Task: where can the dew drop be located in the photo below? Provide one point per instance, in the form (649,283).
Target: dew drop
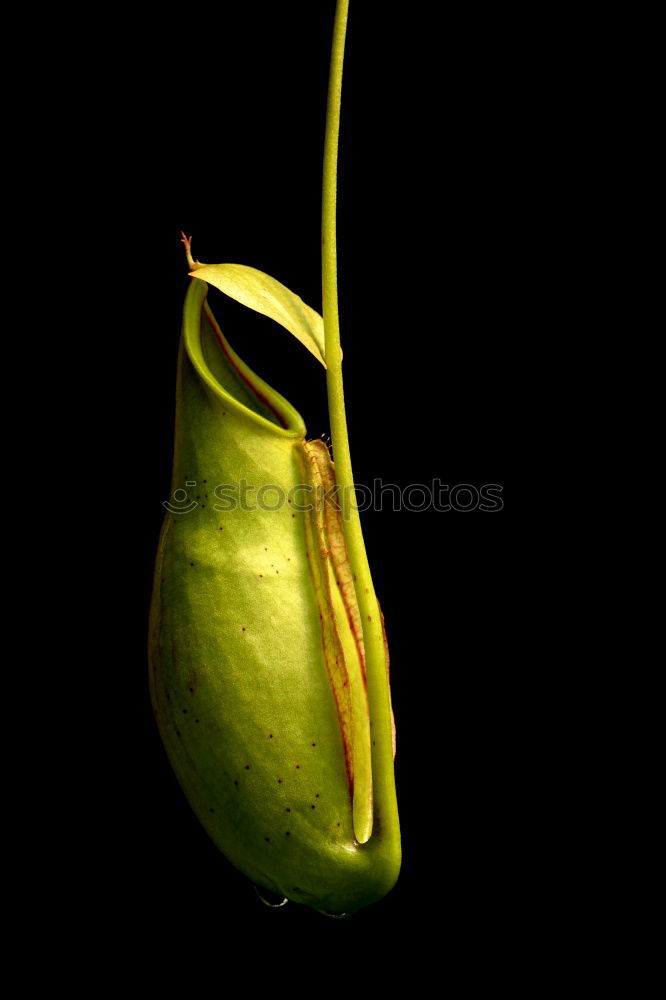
(275,903)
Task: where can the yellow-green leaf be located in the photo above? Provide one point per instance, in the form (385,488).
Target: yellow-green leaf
(265,295)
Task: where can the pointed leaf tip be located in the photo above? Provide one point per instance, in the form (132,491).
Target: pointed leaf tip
(187,243)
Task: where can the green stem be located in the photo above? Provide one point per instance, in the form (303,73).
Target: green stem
(373,638)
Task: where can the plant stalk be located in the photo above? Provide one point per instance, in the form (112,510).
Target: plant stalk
(385,806)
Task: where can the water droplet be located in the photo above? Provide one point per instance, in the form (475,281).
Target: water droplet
(270,899)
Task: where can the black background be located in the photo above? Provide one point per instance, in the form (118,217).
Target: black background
(213,123)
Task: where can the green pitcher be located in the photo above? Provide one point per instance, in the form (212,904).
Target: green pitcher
(268,658)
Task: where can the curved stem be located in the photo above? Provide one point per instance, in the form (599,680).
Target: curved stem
(373,636)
